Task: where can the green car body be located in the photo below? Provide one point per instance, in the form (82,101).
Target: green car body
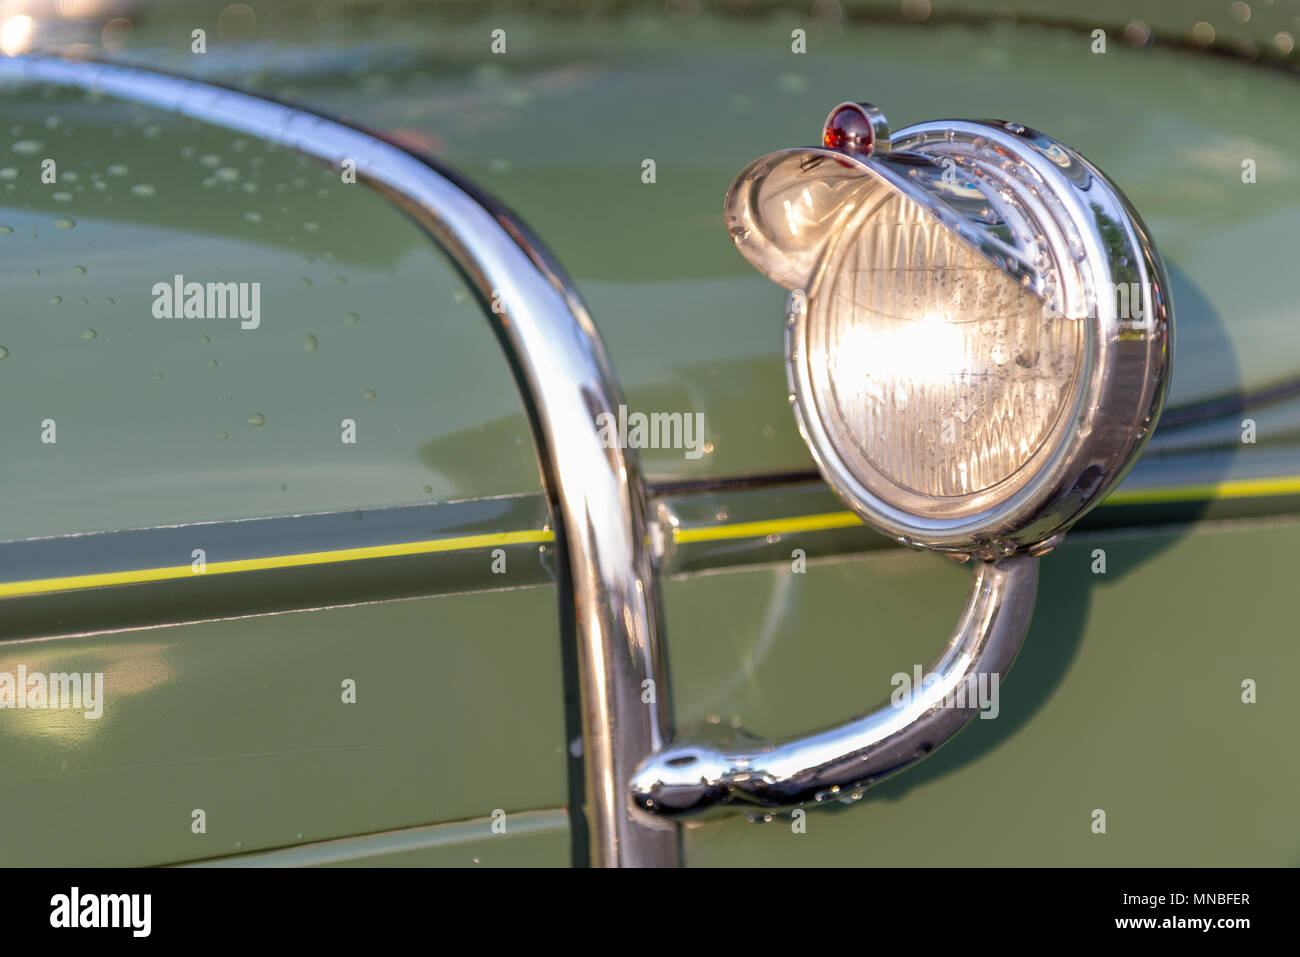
(353,652)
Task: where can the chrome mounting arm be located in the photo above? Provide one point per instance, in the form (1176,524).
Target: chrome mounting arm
(718,767)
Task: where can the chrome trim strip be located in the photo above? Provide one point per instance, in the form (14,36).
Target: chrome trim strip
(716,767)
(566,380)
(306,539)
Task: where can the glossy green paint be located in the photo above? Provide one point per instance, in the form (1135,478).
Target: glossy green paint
(1127,697)
(179,420)
(461,698)
(458,712)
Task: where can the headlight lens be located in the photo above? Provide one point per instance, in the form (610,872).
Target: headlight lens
(931,364)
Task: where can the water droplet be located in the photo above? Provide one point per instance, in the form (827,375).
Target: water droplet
(212,363)
(118,169)
(4,353)
(142,189)
(227,174)
(309,342)
(65,222)
(205,338)
(89,334)
(78,270)
(55,300)
(253,217)
(304,281)
(284,488)
(6,230)
(223,435)
(792,83)
(460,295)
(27,147)
(428,490)
(311,227)
(8,173)
(367,393)
(351,318)
(63,197)
(340,281)
(109,302)
(157,377)
(210,160)
(256,419)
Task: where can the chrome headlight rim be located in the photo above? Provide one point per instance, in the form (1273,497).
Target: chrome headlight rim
(1094,239)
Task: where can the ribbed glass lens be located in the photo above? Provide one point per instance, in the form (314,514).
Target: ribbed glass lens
(941,369)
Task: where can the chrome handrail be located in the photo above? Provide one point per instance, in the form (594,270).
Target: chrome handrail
(566,381)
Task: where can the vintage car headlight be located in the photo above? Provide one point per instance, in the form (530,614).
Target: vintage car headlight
(978,328)
(977,346)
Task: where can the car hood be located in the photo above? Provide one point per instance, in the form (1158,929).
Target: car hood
(561,126)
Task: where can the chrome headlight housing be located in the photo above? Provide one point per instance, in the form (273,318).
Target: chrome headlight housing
(979,326)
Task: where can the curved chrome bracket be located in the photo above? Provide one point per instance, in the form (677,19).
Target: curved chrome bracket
(565,378)
(702,773)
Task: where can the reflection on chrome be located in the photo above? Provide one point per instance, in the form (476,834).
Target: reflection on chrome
(16,34)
